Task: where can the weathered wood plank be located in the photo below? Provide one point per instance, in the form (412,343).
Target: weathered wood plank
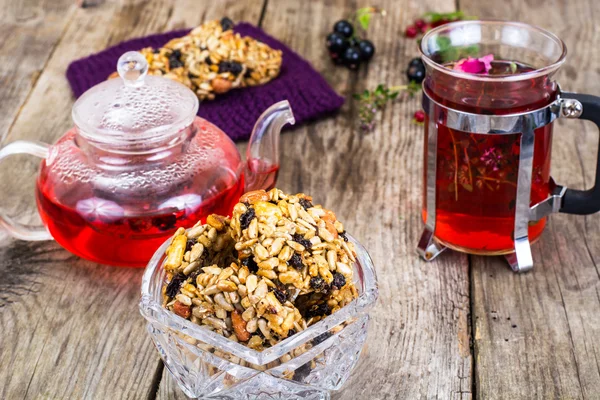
(536,335)
(30,31)
(418,345)
(71,328)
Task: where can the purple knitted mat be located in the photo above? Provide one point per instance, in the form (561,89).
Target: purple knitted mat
(234,112)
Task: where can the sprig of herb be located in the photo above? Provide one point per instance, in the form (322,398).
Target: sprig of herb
(362,17)
(451,16)
(370,102)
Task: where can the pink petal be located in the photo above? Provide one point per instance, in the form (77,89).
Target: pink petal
(487,62)
(458,65)
(475,65)
(471,66)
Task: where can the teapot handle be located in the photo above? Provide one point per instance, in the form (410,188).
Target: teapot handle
(582,202)
(17,230)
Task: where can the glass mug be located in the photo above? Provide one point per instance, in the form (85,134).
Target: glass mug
(488,139)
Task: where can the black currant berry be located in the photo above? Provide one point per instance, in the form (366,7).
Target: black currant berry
(336,43)
(351,57)
(226,24)
(344,27)
(416,61)
(416,70)
(367,49)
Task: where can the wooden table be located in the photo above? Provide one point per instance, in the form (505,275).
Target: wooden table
(460,327)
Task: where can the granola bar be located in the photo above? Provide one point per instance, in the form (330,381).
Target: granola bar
(279,265)
(212,60)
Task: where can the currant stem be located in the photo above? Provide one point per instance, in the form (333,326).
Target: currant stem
(398,88)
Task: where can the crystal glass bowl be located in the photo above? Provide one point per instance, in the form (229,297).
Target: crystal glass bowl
(306,365)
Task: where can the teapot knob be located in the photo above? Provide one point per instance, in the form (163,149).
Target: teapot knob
(132,67)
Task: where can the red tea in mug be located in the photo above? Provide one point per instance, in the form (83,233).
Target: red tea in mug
(476,176)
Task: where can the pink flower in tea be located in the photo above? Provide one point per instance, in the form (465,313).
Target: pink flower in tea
(481,65)
(492,158)
(96,209)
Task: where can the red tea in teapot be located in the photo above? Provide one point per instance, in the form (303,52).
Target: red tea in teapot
(476,176)
(127,229)
(89,229)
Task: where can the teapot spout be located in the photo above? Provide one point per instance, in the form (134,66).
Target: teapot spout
(262,156)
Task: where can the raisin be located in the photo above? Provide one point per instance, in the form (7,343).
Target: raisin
(296,261)
(321,338)
(302,372)
(175,59)
(291,332)
(175,284)
(226,24)
(319,310)
(156,51)
(248,72)
(281,295)
(343,235)
(338,280)
(251,264)
(247,217)
(230,66)
(317,283)
(208,61)
(300,239)
(194,275)
(305,203)
(189,244)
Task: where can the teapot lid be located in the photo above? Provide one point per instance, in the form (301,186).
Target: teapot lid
(136,109)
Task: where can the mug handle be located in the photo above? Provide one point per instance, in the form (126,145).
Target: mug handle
(587,107)
(20,231)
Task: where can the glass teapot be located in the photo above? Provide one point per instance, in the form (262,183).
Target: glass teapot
(138,164)
(488,139)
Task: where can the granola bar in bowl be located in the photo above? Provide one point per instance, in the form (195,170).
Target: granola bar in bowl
(272,301)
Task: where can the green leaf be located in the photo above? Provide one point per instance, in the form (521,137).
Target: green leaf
(513,67)
(451,16)
(432,16)
(357,96)
(364,20)
(393,95)
(413,88)
(443,43)
(472,50)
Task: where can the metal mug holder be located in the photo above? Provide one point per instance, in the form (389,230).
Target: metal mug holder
(526,123)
